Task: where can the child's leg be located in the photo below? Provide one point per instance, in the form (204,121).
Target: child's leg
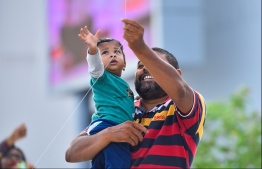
(98,161)
(117,155)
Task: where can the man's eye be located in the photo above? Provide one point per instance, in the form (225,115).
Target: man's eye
(140,66)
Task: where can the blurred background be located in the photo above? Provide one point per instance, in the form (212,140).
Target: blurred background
(44,80)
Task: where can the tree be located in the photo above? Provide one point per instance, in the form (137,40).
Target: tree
(232,135)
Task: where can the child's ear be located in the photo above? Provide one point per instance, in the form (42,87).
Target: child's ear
(124,67)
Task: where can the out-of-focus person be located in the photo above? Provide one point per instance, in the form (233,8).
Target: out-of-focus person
(10,155)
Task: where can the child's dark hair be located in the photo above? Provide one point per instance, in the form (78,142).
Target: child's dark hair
(102,40)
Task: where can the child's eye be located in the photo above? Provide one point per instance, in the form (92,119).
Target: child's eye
(104,52)
(117,52)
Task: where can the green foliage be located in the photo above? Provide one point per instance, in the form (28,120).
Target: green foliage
(232,135)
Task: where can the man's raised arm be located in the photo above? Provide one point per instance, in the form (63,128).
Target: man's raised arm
(164,74)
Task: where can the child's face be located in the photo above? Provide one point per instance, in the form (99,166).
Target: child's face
(112,57)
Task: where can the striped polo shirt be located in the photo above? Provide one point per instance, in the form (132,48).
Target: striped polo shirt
(172,138)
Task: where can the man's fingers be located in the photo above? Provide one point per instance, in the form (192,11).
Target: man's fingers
(140,127)
(136,136)
(133,32)
(133,141)
(137,131)
(130,28)
(129,132)
(127,37)
(139,135)
(131,22)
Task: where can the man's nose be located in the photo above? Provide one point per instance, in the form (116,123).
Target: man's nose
(144,69)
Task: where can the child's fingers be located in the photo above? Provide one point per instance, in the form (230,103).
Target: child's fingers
(97,35)
(82,31)
(81,37)
(86,31)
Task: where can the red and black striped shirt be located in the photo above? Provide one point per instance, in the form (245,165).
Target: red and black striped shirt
(172,139)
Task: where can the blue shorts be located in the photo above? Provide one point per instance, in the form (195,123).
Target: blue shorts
(115,155)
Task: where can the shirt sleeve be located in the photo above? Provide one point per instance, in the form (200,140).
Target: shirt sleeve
(193,123)
(95,65)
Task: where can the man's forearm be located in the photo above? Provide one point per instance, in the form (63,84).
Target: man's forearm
(166,75)
(86,147)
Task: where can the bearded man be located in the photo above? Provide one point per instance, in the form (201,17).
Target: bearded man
(169,116)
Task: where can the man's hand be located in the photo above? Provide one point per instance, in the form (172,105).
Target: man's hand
(133,34)
(129,132)
(90,39)
(86,147)
(17,134)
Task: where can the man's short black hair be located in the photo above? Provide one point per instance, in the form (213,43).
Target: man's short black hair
(170,58)
(102,40)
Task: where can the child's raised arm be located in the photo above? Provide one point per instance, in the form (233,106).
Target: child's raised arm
(90,39)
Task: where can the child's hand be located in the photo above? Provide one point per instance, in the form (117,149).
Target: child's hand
(90,39)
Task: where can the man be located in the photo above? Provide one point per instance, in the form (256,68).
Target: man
(169,117)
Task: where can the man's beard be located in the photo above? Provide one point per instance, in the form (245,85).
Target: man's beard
(149,90)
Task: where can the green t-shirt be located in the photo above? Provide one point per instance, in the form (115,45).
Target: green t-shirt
(114,100)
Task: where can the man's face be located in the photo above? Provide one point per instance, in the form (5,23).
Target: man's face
(145,85)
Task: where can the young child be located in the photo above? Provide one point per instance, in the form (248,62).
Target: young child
(114,100)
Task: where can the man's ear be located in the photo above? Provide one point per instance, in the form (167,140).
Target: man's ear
(179,72)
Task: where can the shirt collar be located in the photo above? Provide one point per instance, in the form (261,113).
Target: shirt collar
(138,102)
